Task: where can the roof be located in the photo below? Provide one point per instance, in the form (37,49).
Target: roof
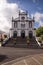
(22,13)
(18,19)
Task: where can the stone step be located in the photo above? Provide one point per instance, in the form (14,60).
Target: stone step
(21,43)
(26,46)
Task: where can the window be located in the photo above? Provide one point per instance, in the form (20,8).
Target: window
(30,24)
(22,18)
(15,24)
(23,25)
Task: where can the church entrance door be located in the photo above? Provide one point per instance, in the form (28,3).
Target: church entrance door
(15,34)
(30,34)
(23,34)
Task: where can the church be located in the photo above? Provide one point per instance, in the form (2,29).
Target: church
(23,26)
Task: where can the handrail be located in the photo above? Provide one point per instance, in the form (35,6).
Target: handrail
(37,41)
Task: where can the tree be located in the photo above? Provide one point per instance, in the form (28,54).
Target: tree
(39,31)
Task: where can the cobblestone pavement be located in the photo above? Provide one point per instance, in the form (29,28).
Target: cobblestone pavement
(29,60)
(10,54)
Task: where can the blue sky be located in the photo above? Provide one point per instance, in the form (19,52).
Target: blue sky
(9,8)
(32,6)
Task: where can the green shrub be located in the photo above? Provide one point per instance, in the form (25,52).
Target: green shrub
(27,41)
(27,38)
(39,31)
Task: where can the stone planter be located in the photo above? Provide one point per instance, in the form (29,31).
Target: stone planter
(28,42)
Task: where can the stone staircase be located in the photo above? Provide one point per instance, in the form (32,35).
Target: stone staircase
(9,43)
(33,43)
(21,43)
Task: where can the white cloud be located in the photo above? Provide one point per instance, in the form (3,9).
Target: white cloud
(39,8)
(34,1)
(38,18)
(7,10)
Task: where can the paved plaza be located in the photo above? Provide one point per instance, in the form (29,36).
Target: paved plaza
(16,56)
(28,60)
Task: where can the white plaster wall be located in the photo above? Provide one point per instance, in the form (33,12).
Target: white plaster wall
(34,34)
(26,25)
(26,32)
(13,25)
(30,29)
(33,25)
(19,33)
(19,25)
(11,33)
(15,29)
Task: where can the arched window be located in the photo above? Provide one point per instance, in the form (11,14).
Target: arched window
(30,24)
(15,24)
(22,18)
(22,25)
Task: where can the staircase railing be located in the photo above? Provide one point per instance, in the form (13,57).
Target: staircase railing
(37,41)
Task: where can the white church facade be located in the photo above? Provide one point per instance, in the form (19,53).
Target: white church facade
(22,26)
